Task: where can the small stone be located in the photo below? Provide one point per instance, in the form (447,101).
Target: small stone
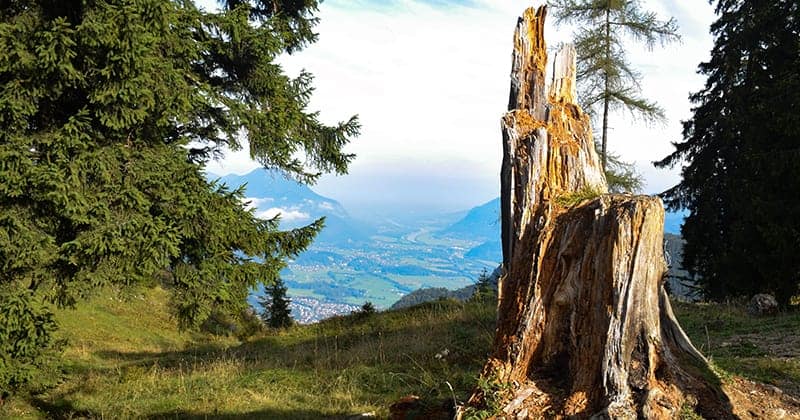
(762,304)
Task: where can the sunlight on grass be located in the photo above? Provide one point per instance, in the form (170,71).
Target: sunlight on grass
(131,361)
(764,349)
(126,358)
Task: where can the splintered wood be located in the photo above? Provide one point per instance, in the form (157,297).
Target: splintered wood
(584,325)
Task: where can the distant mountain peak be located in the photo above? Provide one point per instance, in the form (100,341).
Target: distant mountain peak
(481,223)
(271,194)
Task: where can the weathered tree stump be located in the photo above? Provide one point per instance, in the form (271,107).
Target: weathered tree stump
(584,326)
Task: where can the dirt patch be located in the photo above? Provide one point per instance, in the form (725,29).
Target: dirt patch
(752,400)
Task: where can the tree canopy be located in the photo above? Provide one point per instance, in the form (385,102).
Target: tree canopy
(740,154)
(605,77)
(109,111)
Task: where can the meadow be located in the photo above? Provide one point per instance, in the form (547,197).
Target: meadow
(126,358)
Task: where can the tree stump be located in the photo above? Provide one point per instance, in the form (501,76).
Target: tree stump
(584,326)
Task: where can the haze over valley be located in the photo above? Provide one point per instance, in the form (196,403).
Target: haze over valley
(379,260)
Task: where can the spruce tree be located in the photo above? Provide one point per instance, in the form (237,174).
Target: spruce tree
(605,78)
(108,112)
(483,287)
(275,311)
(740,153)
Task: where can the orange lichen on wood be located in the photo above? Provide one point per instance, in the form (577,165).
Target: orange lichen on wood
(523,121)
(529,63)
(535,37)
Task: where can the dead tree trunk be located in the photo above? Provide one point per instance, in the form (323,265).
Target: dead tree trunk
(584,325)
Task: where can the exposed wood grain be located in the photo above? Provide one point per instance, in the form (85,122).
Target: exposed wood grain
(584,326)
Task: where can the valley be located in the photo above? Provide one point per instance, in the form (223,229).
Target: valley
(353,261)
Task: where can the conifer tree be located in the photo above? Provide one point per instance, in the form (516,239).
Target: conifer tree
(275,310)
(740,153)
(483,288)
(368,308)
(621,176)
(605,78)
(108,112)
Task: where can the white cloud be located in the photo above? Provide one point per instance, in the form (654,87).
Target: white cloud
(256,203)
(286,215)
(430,84)
(238,162)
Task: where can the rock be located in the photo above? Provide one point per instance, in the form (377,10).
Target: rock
(762,304)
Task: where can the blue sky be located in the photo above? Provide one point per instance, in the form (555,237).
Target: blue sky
(429,80)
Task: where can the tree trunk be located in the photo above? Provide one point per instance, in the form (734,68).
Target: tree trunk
(606,92)
(584,325)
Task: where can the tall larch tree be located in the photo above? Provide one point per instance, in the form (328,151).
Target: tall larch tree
(605,77)
(109,110)
(741,155)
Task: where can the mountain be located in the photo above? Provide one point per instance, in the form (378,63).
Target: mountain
(481,224)
(430,294)
(488,251)
(679,283)
(673,221)
(272,194)
(351,262)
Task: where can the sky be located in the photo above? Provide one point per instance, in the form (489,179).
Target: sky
(429,81)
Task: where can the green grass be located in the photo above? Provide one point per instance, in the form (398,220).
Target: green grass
(576,197)
(762,349)
(126,359)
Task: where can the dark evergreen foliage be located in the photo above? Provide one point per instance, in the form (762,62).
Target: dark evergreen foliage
(741,155)
(605,78)
(367,308)
(108,111)
(483,287)
(275,311)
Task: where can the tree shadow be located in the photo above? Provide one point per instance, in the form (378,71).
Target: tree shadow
(61,409)
(258,414)
(365,344)
(330,345)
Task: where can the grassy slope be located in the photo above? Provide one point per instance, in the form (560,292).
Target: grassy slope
(126,359)
(762,349)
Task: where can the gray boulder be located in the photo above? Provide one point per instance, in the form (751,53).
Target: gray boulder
(762,304)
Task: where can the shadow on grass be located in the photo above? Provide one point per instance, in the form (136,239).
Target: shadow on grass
(258,414)
(760,349)
(338,343)
(319,355)
(61,409)
(65,410)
